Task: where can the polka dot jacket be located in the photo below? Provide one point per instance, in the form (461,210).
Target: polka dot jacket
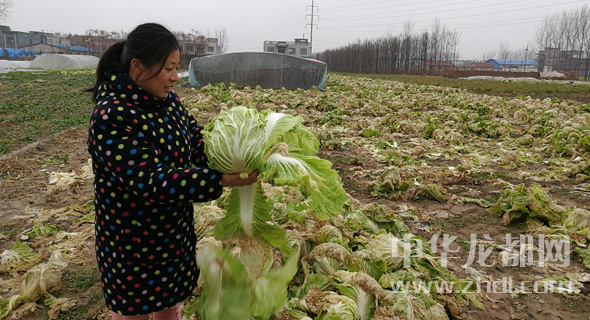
(149,165)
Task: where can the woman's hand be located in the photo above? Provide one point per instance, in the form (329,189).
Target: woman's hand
(234,179)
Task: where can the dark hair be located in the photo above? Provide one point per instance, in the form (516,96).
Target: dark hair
(151,43)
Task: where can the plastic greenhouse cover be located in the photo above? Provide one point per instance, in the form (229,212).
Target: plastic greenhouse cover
(267,70)
(6,66)
(64,61)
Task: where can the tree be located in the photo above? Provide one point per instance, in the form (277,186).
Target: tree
(5,6)
(491,54)
(504,50)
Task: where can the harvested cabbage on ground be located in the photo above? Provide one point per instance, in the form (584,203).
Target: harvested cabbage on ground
(474,146)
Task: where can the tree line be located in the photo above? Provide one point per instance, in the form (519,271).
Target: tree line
(410,52)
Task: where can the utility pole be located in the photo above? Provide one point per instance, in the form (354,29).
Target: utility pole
(526,55)
(312,15)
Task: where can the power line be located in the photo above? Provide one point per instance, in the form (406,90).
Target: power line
(477,24)
(460,27)
(273,25)
(455,10)
(413,4)
(371,3)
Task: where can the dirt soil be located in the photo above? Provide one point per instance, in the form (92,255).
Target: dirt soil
(25,196)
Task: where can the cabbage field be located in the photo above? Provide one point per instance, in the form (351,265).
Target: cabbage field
(454,199)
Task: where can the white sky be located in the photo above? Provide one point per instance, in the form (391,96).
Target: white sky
(483,24)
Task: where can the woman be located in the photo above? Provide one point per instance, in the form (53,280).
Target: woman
(149,165)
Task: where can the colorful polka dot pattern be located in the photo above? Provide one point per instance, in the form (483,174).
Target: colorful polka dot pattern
(148,160)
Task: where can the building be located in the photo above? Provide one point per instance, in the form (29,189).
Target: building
(438,67)
(40,48)
(299,47)
(554,59)
(19,39)
(482,66)
(95,43)
(16,39)
(462,64)
(514,65)
(212,46)
(194,47)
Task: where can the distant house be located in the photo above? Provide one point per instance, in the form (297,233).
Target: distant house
(462,64)
(24,45)
(16,39)
(482,66)
(59,48)
(438,66)
(514,65)
(299,47)
(555,59)
(93,42)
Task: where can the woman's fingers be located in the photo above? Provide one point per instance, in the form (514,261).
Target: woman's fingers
(238,180)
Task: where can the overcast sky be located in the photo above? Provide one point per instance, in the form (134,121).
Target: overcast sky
(483,24)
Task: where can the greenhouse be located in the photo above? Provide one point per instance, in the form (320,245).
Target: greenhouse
(267,70)
(64,61)
(7,66)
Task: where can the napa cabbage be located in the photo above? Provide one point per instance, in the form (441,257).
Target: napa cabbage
(243,140)
(278,145)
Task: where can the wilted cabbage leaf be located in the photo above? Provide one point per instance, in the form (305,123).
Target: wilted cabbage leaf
(577,223)
(42,230)
(432,191)
(18,257)
(390,249)
(523,203)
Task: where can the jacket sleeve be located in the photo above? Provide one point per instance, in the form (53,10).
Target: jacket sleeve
(118,144)
(198,157)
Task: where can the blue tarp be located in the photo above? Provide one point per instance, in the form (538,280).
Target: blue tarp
(76,48)
(14,53)
(500,62)
(1,52)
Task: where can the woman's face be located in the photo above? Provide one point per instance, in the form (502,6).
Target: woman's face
(161,84)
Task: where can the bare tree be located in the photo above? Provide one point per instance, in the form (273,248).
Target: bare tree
(504,51)
(491,54)
(407,52)
(5,6)
(454,38)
